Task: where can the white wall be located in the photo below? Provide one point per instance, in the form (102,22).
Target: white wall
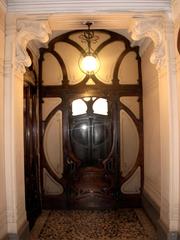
(3,227)
(152,168)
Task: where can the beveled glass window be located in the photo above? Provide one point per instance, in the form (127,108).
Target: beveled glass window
(100,106)
(78,107)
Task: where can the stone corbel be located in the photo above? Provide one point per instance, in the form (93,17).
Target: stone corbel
(28,30)
(153,28)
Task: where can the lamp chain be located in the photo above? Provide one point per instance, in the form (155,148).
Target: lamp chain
(88,35)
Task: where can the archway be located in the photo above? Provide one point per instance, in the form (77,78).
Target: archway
(118,82)
(169,125)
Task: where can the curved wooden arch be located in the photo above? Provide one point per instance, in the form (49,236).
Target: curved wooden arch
(121,58)
(65,38)
(137,123)
(112,92)
(51,114)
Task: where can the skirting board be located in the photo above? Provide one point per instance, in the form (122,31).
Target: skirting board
(153,212)
(23,233)
(151,208)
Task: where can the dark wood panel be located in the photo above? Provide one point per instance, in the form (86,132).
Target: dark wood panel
(91,186)
(31,158)
(31,145)
(61,91)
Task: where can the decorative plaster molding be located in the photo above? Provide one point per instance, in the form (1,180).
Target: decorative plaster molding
(34,48)
(28,30)
(51,6)
(153,28)
(144,44)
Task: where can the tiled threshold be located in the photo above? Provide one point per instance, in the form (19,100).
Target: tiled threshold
(121,224)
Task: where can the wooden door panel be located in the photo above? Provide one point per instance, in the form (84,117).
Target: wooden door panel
(31,164)
(92,143)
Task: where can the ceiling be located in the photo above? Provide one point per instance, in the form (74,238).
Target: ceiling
(88,6)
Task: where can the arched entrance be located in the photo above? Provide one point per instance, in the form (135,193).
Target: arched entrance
(91,158)
(13,116)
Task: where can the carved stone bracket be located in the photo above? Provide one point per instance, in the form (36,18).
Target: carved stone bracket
(153,28)
(28,30)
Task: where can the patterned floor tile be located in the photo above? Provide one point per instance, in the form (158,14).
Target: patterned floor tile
(121,224)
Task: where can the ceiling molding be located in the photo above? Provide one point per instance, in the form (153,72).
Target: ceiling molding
(55,6)
(117,22)
(101,21)
(73,21)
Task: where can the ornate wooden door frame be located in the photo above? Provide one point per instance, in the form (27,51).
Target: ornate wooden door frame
(68,92)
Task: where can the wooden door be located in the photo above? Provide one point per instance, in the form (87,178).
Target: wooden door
(32,193)
(79,150)
(91,140)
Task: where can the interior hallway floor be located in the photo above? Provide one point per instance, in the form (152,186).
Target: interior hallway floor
(121,224)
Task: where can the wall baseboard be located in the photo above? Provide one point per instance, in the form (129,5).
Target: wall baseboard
(151,208)
(153,212)
(23,233)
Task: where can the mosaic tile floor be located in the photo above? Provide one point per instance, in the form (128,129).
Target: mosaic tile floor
(121,224)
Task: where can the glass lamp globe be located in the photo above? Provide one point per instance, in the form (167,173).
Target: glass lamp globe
(89,64)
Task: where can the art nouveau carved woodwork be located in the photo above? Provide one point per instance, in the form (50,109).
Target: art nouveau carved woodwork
(31,151)
(91,126)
